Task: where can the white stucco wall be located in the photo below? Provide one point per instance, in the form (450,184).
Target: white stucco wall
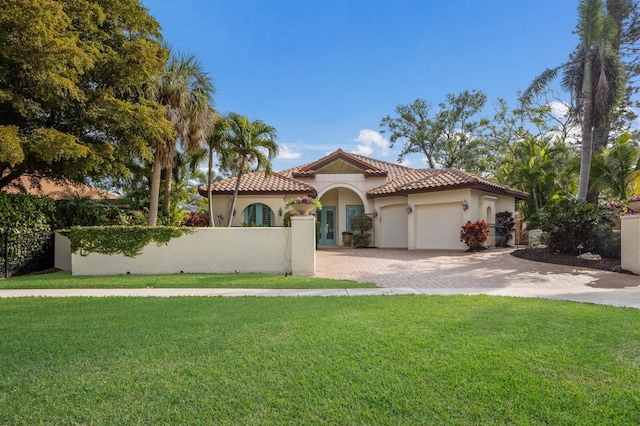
(62,252)
(214,250)
(630,236)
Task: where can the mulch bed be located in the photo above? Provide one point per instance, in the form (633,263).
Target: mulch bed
(549,256)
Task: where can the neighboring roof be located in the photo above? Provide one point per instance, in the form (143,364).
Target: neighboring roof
(431,180)
(58,190)
(400,180)
(259,183)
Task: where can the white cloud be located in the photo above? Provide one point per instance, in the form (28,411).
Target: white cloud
(287,153)
(369,141)
(559,109)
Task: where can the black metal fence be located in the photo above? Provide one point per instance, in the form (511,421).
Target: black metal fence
(25,251)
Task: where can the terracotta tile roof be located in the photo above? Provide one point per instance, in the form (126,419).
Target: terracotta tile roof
(401,180)
(369,166)
(428,180)
(259,183)
(58,190)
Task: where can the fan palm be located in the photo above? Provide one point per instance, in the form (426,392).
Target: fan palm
(185,90)
(250,144)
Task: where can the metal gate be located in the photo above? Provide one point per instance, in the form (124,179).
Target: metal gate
(25,251)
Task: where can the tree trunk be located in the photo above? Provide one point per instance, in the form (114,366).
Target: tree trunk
(166,201)
(600,140)
(209,179)
(233,199)
(587,133)
(155,188)
(11,176)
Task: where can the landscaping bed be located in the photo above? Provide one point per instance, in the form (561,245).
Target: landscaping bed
(549,256)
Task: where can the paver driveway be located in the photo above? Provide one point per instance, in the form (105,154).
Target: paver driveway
(492,271)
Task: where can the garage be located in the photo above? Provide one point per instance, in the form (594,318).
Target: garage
(438,226)
(394,226)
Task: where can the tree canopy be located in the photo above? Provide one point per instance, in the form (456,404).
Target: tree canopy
(72,80)
(448,139)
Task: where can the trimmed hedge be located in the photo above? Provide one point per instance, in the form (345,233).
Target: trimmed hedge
(26,212)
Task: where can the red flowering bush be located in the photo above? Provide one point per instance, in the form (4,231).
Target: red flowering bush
(474,234)
(195,219)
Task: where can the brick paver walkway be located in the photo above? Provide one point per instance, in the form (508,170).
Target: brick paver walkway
(433,269)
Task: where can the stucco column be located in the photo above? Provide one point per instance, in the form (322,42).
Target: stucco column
(303,245)
(630,236)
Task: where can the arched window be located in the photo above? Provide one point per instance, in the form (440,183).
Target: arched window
(259,214)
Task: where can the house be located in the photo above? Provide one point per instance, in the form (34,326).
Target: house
(40,186)
(411,208)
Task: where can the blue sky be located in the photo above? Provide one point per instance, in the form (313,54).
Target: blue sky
(324,73)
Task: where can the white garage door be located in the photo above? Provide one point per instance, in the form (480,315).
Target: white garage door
(438,226)
(394,225)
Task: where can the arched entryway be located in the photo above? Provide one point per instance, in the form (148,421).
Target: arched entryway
(339,204)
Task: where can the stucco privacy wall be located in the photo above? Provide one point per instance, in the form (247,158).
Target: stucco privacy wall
(215,250)
(630,235)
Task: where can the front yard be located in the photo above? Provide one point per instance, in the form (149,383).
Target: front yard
(64,279)
(350,360)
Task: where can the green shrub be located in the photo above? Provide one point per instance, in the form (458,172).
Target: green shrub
(505,224)
(474,234)
(569,223)
(607,242)
(361,240)
(21,211)
(362,223)
(80,211)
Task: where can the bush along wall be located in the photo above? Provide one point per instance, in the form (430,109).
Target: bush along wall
(126,240)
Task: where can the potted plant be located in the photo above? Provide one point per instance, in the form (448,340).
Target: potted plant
(304,205)
(346,238)
(362,224)
(633,203)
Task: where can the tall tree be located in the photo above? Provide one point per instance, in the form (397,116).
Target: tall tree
(72,99)
(214,145)
(448,139)
(595,78)
(185,92)
(596,31)
(250,145)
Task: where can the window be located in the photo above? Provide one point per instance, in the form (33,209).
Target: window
(259,214)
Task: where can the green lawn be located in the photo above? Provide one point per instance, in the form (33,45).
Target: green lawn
(340,360)
(64,279)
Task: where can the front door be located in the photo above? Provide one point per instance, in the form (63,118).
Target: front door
(328,226)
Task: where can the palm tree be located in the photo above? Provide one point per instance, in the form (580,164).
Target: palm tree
(594,78)
(185,90)
(249,143)
(531,165)
(214,144)
(616,171)
(596,32)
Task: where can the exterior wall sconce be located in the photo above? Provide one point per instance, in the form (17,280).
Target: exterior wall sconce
(375,213)
(280,211)
(465,205)
(409,209)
